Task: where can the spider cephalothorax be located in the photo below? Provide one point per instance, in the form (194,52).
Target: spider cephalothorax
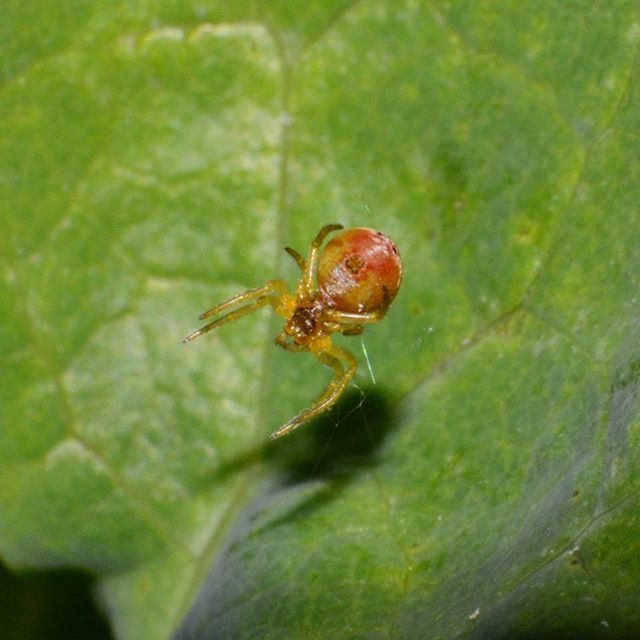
(348,284)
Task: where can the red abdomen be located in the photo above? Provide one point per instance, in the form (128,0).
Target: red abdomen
(359,271)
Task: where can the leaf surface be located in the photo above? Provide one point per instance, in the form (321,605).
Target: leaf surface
(154,160)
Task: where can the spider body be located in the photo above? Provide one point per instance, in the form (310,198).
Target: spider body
(346,285)
(359,271)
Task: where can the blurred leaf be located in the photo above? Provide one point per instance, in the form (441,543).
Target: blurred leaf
(154,160)
(54,605)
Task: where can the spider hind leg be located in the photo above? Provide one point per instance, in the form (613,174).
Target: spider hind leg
(344,365)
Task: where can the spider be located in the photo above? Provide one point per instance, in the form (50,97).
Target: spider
(347,284)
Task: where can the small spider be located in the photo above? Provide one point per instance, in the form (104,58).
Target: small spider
(349,283)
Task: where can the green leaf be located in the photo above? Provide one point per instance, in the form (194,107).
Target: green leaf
(155,157)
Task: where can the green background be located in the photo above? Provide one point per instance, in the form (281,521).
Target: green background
(155,157)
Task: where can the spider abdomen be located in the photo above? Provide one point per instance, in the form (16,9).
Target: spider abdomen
(359,271)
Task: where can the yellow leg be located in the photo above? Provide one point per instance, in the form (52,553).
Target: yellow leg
(307,283)
(281,341)
(344,365)
(346,317)
(297,257)
(271,293)
(229,317)
(273,286)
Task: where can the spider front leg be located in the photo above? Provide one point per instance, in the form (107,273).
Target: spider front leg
(348,318)
(297,257)
(307,282)
(281,341)
(349,324)
(273,293)
(344,365)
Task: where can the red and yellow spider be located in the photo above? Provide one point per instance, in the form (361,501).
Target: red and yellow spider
(346,285)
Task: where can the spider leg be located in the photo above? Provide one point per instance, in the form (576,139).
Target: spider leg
(273,286)
(229,317)
(344,365)
(297,257)
(346,317)
(281,341)
(272,293)
(349,324)
(307,285)
(352,330)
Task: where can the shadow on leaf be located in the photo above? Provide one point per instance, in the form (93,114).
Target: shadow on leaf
(339,443)
(321,458)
